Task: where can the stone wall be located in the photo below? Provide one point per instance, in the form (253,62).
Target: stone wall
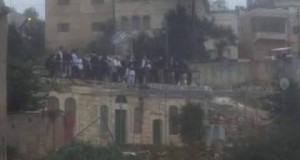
(33,135)
(155,105)
(88,114)
(230,74)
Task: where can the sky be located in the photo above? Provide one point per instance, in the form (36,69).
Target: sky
(21,5)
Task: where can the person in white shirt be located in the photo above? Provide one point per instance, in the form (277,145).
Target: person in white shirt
(75,70)
(79,65)
(148,68)
(119,69)
(130,76)
(59,61)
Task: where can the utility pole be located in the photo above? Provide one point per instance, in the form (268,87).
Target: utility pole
(114,22)
(193,34)
(298,31)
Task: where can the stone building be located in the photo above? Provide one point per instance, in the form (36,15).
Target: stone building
(112,113)
(101,115)
(74,23)
(275,26)
(263,29)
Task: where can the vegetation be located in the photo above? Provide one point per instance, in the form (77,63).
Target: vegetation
(82,151)
(281,140)
(149,46)
(176,39)
(103,45)
(25,46)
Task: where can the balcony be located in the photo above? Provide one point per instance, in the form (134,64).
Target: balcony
(271,36)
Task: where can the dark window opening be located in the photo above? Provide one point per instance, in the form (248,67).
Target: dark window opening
(63,2)
(121,99)
(63,27)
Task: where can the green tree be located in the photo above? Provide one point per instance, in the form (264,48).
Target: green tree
(34,32)
(191,125)
(223,37)
(178,28)
(32,13)
(22,84)
(150,46)
(285,104)
(281,142)
(80,151)
(103,43)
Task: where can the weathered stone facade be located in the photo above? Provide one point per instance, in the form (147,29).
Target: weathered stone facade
(34,135)
(146,117)
(89,101)
(77,23)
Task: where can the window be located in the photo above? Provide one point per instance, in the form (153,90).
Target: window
(53,103)
(269,24)
(146,22)
(124,23)
(63,27)
(173,120)
(63,2)
(136,23)
(120,99)
(138,118)
(97,27)
(103,119)
(97,1)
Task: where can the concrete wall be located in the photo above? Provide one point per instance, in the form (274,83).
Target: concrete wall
(33,134)
(228,74)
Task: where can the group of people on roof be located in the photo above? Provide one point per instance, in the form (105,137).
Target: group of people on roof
(132,70)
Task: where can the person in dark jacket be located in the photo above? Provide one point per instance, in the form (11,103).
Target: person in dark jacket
(67,64)
(94,66)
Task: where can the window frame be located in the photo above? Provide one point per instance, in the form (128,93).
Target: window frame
(63,2)
(97,2)
(61,29)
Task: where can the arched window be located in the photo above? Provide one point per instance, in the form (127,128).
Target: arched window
(120,99)
(173,120)
(103,119)
(136,23)
(53,103)
(124,23)
(146,22)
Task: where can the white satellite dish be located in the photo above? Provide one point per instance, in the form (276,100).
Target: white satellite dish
(284,83)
